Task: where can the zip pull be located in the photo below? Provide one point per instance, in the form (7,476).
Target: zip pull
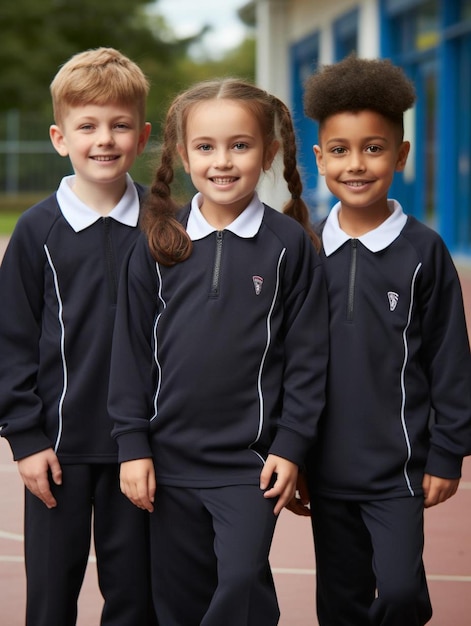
(352,280)
(217,264)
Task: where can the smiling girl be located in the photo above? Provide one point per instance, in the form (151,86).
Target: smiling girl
(219,359)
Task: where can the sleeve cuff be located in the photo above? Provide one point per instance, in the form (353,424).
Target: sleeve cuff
(443,464)
(290,445)
(133,446)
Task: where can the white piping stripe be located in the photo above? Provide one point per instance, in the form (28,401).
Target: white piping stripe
(264,356)
(157,391)
(62,342)
(403,403)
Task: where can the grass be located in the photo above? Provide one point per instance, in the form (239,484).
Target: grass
(12,206)
(7,221)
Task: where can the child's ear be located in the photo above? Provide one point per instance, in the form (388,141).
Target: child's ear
(319,159)
(58,140)
(402,156)
(143,137)
(184,157)
(270,155)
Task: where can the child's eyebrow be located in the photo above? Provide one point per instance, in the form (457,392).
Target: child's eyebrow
(364,139)
(236,138)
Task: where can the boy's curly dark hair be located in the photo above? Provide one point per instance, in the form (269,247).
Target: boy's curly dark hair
(355,84)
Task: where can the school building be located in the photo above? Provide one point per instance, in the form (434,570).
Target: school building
(431,40)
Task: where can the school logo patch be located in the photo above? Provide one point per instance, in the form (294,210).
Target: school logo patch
(257,283)
(393,298)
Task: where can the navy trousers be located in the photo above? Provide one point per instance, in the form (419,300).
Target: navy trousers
(57,544)
(210,551)
(369,562)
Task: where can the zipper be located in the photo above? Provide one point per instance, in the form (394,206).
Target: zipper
(217,265)
(351,281)
(111,272)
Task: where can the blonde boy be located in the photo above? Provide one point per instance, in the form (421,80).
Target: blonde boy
(58,283)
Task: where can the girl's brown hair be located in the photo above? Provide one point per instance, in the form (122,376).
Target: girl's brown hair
(168,240)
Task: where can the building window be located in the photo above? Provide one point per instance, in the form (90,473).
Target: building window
(346,35)
(304,62)
(416,28)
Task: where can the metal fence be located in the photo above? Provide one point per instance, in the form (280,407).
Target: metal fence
(29,163)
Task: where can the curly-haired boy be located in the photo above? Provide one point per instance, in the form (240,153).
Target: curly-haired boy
(398,418)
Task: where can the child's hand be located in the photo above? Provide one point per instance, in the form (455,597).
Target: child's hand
(299,504)
(285,484)
(137,482)
(34,471)
(438,490)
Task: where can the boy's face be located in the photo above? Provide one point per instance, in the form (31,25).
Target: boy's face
(358,155)
(102,142)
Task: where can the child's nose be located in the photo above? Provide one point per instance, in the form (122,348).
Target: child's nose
(222,160)
(105,137)
(356,162)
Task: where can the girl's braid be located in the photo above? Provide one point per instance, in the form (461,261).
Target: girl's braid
(168,240)
(295,207)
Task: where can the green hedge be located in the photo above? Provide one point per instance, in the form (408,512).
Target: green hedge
(11,207)
(17,203)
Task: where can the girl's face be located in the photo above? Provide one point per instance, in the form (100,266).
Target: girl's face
(358,155)
(102,143)
(224,153)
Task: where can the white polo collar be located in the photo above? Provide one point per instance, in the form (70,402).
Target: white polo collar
(246,225)
(81,216)
(333,237)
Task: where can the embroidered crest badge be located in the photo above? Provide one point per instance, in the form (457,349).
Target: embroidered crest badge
(393,297)
(257,283)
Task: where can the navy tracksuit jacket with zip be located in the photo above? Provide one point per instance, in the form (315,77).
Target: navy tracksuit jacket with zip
(58,290)
(398,406)
(218,362)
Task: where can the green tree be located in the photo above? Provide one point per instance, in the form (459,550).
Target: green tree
(38,37)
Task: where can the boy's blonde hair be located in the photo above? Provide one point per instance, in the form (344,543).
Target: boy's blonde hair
(99,76)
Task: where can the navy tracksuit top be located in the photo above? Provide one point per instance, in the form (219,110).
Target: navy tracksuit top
(221,359)
(58,300)
(399,381)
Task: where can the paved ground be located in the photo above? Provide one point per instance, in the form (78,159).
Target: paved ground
(447,553)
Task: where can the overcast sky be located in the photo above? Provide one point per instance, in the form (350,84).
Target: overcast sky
(187,16)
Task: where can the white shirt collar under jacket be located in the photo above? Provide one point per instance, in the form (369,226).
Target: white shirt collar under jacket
(81,216)
(246,225)
(375,240)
